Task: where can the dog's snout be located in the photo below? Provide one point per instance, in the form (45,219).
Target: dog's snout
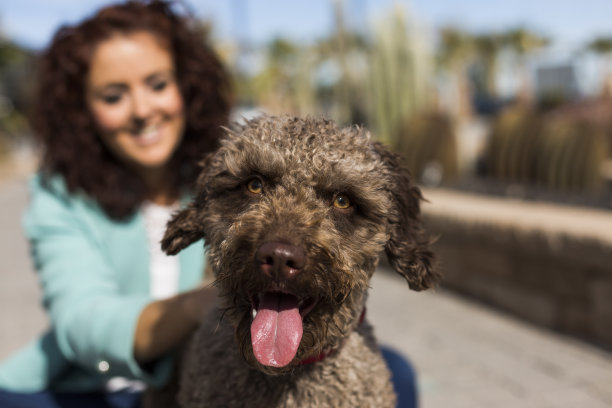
(280,260)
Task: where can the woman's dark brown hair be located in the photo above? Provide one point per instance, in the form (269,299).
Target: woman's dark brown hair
(66,129)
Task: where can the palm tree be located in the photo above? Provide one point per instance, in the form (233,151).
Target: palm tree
(487,48)
(602,46)
(455,53)
(524,43)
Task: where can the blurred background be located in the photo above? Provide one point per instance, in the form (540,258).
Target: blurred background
(509,98)
(503,113)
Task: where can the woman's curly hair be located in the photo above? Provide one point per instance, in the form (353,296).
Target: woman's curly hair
(66,128)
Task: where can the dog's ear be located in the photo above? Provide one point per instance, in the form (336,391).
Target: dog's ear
(408,246)
(185,227)
(182,230)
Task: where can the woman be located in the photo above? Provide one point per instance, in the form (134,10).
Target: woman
(128,101)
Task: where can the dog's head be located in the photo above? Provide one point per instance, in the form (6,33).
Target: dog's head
(295,214)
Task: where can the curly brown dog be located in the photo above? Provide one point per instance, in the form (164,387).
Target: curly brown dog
(295,214)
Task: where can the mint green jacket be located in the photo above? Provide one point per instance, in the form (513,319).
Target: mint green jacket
(94,273)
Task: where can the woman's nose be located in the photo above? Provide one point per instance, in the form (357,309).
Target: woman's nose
(142,106)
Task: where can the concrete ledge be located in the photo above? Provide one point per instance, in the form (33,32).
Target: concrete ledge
(546,263)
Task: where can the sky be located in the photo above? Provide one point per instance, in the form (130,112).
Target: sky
(570,23)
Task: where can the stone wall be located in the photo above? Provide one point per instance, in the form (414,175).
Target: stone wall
(548,264)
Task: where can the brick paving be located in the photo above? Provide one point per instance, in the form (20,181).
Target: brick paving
(466,355)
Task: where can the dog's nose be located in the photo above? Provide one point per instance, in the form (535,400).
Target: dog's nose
(280,260)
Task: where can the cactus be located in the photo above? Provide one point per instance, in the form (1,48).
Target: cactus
(572,154)
(512,146)
(428,142)
(556,153)
(400,66)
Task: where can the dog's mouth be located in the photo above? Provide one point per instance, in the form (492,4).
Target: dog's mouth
(276,330)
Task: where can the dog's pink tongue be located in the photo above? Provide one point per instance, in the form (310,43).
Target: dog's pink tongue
(276,331)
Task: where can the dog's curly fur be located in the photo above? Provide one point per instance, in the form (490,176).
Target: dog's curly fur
(303,164)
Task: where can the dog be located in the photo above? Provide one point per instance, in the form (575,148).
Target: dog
(295,213)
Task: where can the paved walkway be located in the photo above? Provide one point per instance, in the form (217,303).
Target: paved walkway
(21,316)
(470,356)
(465,355)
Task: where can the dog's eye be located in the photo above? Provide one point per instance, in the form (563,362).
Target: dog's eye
(255,186)
(342,202)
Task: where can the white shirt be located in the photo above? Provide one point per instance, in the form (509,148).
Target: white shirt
(163,272)
(163,269)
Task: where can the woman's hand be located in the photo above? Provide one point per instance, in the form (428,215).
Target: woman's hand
(165,324)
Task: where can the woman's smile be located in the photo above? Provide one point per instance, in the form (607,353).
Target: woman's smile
(138,111)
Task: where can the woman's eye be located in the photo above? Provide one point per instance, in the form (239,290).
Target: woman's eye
(110,99)
(255,186)
(159,86)
(342,202)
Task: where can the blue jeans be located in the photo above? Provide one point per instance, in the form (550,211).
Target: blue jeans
(49,399)
(403,377)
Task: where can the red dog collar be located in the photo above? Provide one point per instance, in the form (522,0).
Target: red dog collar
(325,354)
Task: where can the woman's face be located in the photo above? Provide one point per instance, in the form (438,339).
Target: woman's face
(135,100)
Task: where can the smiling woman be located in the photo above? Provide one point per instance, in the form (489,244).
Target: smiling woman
(127,76)
(128,102)
(136,103)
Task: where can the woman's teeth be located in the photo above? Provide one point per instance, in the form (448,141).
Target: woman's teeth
(148,134)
